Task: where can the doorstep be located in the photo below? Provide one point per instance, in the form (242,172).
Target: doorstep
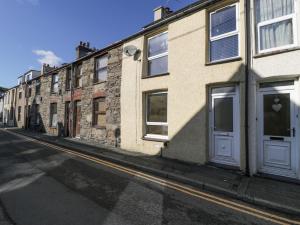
(274,194)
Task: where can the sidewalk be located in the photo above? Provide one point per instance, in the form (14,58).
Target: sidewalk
(272,194)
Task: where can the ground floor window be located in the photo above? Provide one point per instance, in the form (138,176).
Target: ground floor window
(156,115)
(99,112)
(53,114)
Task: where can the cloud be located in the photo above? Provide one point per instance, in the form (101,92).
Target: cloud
(32,2)
(48,57)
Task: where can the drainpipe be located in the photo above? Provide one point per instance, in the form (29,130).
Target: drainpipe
(247,74)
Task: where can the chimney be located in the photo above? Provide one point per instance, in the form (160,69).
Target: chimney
(161,12)
(83,49)
(46,68)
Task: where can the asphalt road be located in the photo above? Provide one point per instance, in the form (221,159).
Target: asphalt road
(42,186)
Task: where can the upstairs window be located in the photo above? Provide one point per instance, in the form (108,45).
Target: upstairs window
(99,112)
(78,76)
(276,24)
(19,112)
(158,54)
(156,115)
(54,83)
(38,87)
(68,79)
(53,114)
(29,91)
(20,95)
(101,69)
(224,34)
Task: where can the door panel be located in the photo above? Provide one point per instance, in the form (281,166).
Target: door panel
(224,119)
(277,122)
(77,118)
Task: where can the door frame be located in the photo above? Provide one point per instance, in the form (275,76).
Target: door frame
(75,117)
(293,90)
(236,124)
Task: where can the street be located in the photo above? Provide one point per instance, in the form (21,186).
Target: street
(40,185)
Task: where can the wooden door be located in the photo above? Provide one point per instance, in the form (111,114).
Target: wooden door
(77,111)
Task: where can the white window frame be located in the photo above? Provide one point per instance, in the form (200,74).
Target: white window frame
(226,35)
(156,56)
(155,136)
(274,21)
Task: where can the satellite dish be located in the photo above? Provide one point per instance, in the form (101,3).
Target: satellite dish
(130,50)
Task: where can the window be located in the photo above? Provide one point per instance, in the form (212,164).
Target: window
(20,95)
(158,54)
(53,114)
(11,116)
(156,115)
(224,34)
(54,83)
(19,113)
(99,112)
(38,87)
(29,91)
(78,76)
(276,24)
(68,79)
(101,69)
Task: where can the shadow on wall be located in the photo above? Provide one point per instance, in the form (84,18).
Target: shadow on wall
(191,142)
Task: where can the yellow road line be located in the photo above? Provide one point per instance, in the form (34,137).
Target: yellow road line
(175,186)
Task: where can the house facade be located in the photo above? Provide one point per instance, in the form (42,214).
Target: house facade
(186,82)
(274,97)
(9,102)
(82,99)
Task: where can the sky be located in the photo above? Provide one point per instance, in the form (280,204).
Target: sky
(33,32)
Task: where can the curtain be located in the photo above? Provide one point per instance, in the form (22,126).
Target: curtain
(276,34)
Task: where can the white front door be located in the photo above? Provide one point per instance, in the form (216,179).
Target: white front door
(225,126)
(277,122)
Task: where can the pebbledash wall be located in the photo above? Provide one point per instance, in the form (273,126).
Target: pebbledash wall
(109,89)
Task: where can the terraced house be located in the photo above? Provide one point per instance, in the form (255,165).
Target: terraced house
(82,99)
(213,83)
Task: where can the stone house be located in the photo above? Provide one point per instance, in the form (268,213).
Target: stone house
(82,99)
(9,102)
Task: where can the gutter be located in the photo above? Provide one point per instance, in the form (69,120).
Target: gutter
(247,74)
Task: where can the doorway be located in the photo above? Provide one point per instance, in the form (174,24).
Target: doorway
(225,126)
(277,124)
(77,118)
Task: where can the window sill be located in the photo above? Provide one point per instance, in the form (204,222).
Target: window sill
(99,82)
(145,138)
(158,75)
(224,61)
(276,52)
(99,127)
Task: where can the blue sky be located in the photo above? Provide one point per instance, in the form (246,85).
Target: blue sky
(35,31)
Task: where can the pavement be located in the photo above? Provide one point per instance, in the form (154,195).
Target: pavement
(269,193)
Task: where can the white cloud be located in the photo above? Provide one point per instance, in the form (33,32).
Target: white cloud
(32,2)
(48,57)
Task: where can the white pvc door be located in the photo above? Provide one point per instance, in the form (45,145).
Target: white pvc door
(278,128)
(224,126)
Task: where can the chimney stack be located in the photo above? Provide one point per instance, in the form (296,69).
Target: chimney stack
(46,68)
(161,12)
(83,49)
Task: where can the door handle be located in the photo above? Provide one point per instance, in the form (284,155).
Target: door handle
(294,131)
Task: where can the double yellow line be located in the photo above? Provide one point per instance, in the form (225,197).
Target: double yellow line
(174,186)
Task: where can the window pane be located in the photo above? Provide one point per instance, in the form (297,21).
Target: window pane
(223,21)
(276,34)
(277,115)
(270,9)
(224,48)
(223,114)
(102,74)
(54,120)
(157,108)
(158,66)
(158,45)
(102,62)
(221,90)
(159,130)
(101,120)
